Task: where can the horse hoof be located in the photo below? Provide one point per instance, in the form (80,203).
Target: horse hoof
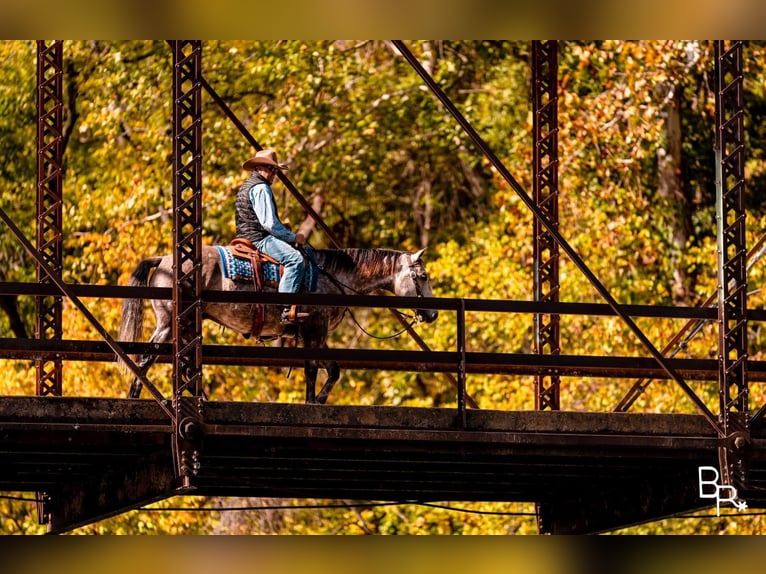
(135,391)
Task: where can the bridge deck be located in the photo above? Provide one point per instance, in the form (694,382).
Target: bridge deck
(590,472)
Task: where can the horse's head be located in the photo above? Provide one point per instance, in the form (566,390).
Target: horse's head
(412,281)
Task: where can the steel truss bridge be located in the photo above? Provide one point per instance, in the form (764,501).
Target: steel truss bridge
(90,458)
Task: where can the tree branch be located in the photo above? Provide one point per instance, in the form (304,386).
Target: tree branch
(309,224)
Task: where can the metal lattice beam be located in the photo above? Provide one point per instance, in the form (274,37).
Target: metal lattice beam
(187,253)
(545,194)
(49,203)
(546,250)
(50,106)
(732,255)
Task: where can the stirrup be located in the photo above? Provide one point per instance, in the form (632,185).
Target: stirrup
(291,315)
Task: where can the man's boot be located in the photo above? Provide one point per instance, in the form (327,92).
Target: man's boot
(288,314)
(291,314)
(289,322)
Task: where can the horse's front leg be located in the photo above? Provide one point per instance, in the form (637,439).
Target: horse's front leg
(333,374)
(313,333)
(310,371)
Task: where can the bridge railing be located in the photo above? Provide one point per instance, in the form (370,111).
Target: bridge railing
(460,361)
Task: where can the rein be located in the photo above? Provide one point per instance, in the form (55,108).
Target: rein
(381,337)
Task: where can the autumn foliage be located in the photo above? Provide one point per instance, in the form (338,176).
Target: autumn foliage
(393,170)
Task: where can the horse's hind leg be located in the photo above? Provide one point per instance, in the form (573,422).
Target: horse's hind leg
(143,366)
(310,371)
(333,374)
(162,334)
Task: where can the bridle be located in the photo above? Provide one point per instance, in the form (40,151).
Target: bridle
(417,277)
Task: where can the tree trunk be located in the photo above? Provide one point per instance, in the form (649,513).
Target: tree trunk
(8,303)
(673,188)
(309,224)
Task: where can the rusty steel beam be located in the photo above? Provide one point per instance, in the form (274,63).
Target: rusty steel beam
(115,491)
(187,216)
(545,193)
(462,393)
(619,504)
(731,214)
(440,303)
(50,149)
(187,254)
(546,285)
(732,256)
(608,367)
(343,451)
(50,106)
(94,457)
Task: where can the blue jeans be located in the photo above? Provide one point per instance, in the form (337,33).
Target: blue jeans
(288,256)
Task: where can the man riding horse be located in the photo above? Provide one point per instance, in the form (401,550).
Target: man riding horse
(344,271)
(257,220)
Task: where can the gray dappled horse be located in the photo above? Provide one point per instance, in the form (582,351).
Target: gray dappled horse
(342,271)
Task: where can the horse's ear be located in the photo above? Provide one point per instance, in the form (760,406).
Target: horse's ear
(415,256)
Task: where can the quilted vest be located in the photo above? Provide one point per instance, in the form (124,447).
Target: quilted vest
(247,223)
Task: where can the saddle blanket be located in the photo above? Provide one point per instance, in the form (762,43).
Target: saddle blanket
(238,269)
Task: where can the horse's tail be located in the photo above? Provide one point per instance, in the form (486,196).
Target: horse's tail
(132,324)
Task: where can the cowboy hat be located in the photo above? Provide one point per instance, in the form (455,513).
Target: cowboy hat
(263,157)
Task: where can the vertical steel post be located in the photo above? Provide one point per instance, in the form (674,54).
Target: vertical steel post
(461,349)
(48,323)
(50,108)
(187,255)
(545,195)
(732,259)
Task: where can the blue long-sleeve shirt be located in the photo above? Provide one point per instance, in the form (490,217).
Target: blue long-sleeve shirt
(262,200)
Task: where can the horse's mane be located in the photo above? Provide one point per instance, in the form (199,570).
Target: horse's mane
(370,262)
